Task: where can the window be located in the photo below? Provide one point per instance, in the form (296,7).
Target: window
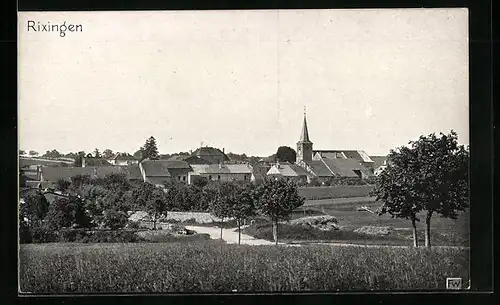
(218,177)
(183,178)
(179,177)
(245,177)
(209,177)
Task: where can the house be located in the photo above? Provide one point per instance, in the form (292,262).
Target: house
(211,155)
(328,164)
(123,159)
(221,172)
(159,172)
(290,172)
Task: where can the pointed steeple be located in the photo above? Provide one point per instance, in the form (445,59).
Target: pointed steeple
(304,136)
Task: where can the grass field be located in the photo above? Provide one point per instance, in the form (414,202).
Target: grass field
(217,267)
(341,191)
(443,231)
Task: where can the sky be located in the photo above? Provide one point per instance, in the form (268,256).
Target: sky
(370,80)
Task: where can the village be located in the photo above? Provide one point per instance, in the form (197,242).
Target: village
(311,167)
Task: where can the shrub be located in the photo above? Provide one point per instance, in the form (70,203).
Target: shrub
(43,234)
(114,219)
(133,224)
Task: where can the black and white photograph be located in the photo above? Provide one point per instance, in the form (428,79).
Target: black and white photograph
(243,151)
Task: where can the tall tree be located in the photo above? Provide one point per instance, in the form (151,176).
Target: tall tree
(277,199)
(97,153)
(442,172)
(33,153)
(22,152)
(79,159)
(286,154)
(150,150)
(394,187)
(243,206)
(432,174)
(34,208)
(225,197)
(108,153)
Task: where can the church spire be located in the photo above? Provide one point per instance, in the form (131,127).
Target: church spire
(304,136)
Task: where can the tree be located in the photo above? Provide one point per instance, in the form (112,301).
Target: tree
(60,214)
(108,153)
(395,188)
(79,159)
(138,154)
(33,209)
(33,153)
(286,154)
(63,185)
(277,199)
(22,152)
(114,219)
(243,206)
(52,154)
(150,150)
(97,153)
(225,197)
(151,199)
(431,175)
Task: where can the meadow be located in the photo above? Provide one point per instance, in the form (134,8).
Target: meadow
(213,266)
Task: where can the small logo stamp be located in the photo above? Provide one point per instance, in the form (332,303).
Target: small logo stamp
(453,283)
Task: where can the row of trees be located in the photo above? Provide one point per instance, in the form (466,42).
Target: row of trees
(275,199)
(429,176)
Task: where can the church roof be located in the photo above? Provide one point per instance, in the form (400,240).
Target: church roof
(319,168)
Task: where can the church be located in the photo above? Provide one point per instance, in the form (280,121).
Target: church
(324,165)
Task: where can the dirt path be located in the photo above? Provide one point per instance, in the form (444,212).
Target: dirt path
(230,236)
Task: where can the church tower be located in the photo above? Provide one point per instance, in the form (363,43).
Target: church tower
(304,145)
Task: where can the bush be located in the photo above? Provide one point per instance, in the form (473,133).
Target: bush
(111,237)
(299,232)
(114,219)
(133,224)
(43,234)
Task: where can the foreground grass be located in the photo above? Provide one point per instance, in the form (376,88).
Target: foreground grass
(217,267)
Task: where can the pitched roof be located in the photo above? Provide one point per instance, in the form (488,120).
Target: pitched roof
(159,168)
(343,167)
(155,168)
(319,168)
(300,171)
(353,154)
(56,173)
(134,172)
(210,151)
(124,157)
(221,169)
(378,160)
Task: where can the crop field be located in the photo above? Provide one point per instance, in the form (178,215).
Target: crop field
(217,267)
